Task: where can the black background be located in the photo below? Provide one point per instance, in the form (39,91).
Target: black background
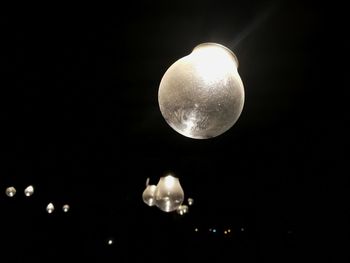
(80,121)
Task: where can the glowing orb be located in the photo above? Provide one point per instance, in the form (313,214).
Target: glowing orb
(201,95)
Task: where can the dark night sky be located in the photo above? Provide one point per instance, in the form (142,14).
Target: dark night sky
(81,122)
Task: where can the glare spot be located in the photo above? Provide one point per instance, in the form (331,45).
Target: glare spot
(196,229)
(190,201)
(228,230)
(225,232)
(110,241)
(242,229)
(214,230)
(169,181)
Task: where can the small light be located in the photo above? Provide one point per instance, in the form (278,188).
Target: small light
(110,241)
(242,229)
(190,201)
(29,190)
(209,229)
(65,208)
(50,208)
(196,229)
(228,230)
(10,191)
(182,209)
(214,230)
(225,232)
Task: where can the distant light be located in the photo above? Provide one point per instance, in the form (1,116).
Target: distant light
(50,208)
(196,229)
(209,229)
(228,230)
(29,190)
(242,229)
(10,191)
(214,230)
(225,232)
(190,201)
(110,241)
(182,209)
(65,208)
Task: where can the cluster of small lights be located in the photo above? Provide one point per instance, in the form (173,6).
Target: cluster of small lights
(214,230)
(167,195)
(29,191)
(182,209)
(11,191)
(50,208)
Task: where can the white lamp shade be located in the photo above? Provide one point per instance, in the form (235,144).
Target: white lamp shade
(169,194)
(148,195)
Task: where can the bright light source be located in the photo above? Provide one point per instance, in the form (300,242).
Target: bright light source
(65,208)
(50,208)
(29,190)
(201,95)
(10,191)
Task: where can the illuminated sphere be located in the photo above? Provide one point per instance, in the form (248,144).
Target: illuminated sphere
(50,208)
(65,208)
(29,190)
(10,191)
(201,95)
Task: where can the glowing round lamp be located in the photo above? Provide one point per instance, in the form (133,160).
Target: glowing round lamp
(201,95)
